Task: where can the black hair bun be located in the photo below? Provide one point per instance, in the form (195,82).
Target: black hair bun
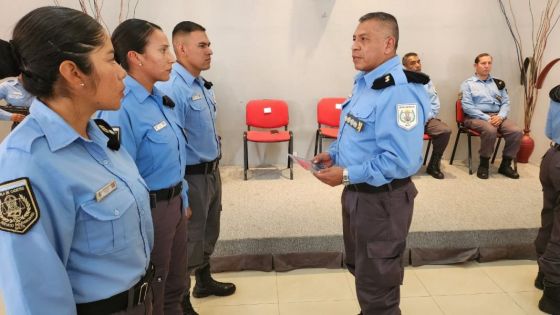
(8,65)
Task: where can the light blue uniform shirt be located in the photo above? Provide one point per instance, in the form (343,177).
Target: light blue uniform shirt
(434,100)
(553,122)
(151,133)
(196,109)
(483,96)
(80,249)
(383,150)
(14,94)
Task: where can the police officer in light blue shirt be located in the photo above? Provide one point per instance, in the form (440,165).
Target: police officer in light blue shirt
(150,131)
(435,128)
(75,226)
(14,94)
(196,108)
(377,150)
(486,106)
(547,243)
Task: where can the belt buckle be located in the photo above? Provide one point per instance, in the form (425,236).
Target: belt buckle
(142,293)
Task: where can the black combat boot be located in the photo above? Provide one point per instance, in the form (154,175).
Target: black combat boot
(539,281)
(206,286)
(433,167)
(506,170)
(550,301)
(187,306)
(482,171)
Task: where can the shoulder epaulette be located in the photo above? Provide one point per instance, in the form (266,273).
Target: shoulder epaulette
(500,84)
(167,101)
(207,84)
(416,77)
(113,143)
(555,94)
(383,81)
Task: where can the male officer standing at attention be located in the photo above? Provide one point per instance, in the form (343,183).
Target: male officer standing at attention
(547,243)
(435,128)
(379,147)
(196,108)
(486,106)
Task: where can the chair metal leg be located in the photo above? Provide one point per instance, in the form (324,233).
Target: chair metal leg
(454,147)
(427,151)
(496,149)
(245,157)
(470,155)
(320,143)
(316,141)
(290,150)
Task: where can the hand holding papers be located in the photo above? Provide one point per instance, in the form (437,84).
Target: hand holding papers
(306,164)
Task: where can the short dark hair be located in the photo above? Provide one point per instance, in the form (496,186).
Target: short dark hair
(187,27)
(131,35)
(386,18)
(44,38)
(477,59)
(407,55)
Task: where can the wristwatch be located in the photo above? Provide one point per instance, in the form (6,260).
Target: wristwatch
(345,179)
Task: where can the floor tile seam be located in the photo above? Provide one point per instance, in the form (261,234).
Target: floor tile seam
(468,294)
(318,300)
(518,304)
(242,304)
(421,283)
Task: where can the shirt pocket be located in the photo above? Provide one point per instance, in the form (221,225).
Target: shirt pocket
(104,221)
(363,111)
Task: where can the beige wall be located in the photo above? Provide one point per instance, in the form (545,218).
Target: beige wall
(299,50)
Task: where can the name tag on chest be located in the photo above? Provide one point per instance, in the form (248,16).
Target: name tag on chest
(196,97)
(354,122)
(160,126)
(105,191)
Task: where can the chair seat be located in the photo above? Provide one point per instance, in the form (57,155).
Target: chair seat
(427,137)
(329,132)
(268,136)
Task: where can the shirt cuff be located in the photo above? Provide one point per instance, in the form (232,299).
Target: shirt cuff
(357,174)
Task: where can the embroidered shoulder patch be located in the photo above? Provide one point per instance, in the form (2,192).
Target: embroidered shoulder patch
(18,207)
(407,116)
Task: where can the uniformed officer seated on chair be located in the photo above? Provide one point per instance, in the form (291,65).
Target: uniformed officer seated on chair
(435,128)
(486,107)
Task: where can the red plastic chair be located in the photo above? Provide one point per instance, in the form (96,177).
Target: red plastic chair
(460,118)
(267,114)
(328,114)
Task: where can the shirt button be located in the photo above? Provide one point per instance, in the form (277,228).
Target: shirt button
(105,162)
(117,212)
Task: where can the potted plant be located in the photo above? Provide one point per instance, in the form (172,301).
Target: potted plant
(530,64)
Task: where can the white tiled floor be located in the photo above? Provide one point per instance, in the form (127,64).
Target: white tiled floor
(503,287)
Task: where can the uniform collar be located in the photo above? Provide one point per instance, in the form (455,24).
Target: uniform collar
(139,91)
(476,78)
(184,74)
(58,132)
(382,69)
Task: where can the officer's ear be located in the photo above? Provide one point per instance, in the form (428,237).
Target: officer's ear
(390,42)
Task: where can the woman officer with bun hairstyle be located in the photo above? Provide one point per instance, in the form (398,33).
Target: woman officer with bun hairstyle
(150,132)
(75,225)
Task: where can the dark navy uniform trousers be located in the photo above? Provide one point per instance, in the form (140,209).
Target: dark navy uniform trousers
(375,227)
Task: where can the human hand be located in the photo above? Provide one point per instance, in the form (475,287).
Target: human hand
(324,159)
(188,212)
(495,120)
(17,117)
(331,176)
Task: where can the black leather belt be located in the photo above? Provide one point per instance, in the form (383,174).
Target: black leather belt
(165,194)
(555,146)
(122,301)
(366,188)
(202,168)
